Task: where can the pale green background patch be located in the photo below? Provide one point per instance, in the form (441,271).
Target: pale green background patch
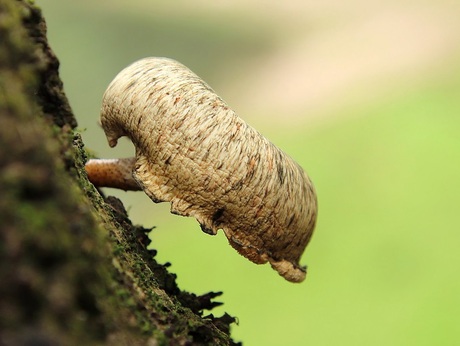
(365,96)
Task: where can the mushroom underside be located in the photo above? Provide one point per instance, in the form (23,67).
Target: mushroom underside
(240,241)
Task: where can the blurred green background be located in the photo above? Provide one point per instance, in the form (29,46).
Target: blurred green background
(365,96)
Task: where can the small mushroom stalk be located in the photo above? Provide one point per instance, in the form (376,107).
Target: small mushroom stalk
(193,151)
(116,173)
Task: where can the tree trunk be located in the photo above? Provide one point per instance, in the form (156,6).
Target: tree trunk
(73,268)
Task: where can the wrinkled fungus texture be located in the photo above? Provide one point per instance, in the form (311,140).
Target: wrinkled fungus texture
(193,151)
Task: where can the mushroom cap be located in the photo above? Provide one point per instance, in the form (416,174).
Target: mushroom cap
(193,151)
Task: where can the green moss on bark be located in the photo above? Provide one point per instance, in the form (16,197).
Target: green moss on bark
(74,270)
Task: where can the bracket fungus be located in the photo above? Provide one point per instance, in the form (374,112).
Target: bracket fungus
(193,151)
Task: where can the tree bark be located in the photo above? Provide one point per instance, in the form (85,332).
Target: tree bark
(73,268)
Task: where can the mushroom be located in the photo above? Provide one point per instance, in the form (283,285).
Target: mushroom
(193,151)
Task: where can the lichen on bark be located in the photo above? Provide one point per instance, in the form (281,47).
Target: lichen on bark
(74,269)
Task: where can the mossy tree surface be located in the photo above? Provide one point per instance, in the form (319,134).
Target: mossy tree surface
(73,268)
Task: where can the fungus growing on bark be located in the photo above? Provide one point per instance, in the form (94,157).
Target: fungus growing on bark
(193,151)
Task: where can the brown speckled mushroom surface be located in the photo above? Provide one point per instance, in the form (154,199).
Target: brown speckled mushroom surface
(193,151)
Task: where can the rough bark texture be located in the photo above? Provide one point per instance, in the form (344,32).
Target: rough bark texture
(73,268)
